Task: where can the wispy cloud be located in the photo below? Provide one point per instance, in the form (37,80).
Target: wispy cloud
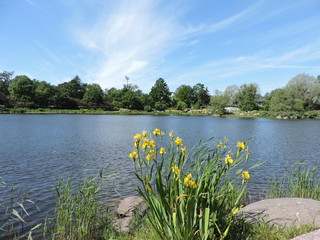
(31,2)
(49,53)
(134,37)
(304,57)
(137,38)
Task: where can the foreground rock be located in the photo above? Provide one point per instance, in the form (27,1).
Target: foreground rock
(126,211)
(315,235)
(284,211)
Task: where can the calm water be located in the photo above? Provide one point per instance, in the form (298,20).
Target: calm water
(37,150)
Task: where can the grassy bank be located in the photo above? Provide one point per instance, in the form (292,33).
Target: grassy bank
(188,112)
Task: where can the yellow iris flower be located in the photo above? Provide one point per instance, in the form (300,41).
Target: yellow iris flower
(245,175)
(171,134)
(178,141)
(133,155)
(175,169)
(138,136)
(241,145)
(162,151)
(153,152)
(151,143)
(157,131)
(149,157)
(228,160)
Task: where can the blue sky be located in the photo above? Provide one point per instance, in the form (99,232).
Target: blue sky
(217,43)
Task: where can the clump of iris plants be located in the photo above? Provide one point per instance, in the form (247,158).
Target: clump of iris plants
(192,193)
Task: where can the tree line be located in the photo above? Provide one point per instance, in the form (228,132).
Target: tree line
(21,91)
(300,94)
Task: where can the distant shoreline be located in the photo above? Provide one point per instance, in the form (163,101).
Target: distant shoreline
(252,114)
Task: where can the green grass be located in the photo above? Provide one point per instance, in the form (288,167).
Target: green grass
(299,182)
(239,231)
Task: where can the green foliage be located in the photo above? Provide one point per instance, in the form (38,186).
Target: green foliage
(14,216)
(44,94)
(147,108)
(218,104)
(5,80)
(22,89)
(202,96)
(247,96)
(190,197)
(185,94)
(160,95)
(300,182)
(181,105)
(231,94)
(93,95)
(78,215)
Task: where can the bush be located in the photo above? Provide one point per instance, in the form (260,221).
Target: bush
(181,105)
(191,195)
(147,108)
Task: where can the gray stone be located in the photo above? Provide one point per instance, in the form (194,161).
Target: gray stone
(314,235)
(284,211)
(129,205)
(126,210)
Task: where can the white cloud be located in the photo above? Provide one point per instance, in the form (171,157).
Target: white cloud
(301,58)
(133,37)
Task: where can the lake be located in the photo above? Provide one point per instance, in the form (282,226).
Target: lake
(37,150)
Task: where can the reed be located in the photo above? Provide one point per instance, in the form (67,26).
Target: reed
(300,181)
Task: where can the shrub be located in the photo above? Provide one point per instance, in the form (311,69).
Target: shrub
(191,194)
(181,105)
(147,108)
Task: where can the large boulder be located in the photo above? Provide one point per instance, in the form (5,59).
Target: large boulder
(284,211)
(126,211)
(314,235)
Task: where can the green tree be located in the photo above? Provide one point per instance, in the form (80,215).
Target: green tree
(201,95)
(44,94)
(160,95)
(5,80)
(315,96)
(93,97)
(131,97)
(280,100)
(218,103)
(73,88)
(231,92)
(301,87)
(70,94)
(185,93)
(22,90)
(247,97)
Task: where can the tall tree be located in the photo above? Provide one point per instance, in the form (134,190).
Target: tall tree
(201,95)
(5,80)
(218,103)
(247,97)
(73,88)
(44,93)
(93,96)
(231,93)
(185,93)
(160,95)
(22,89)
(300,87)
